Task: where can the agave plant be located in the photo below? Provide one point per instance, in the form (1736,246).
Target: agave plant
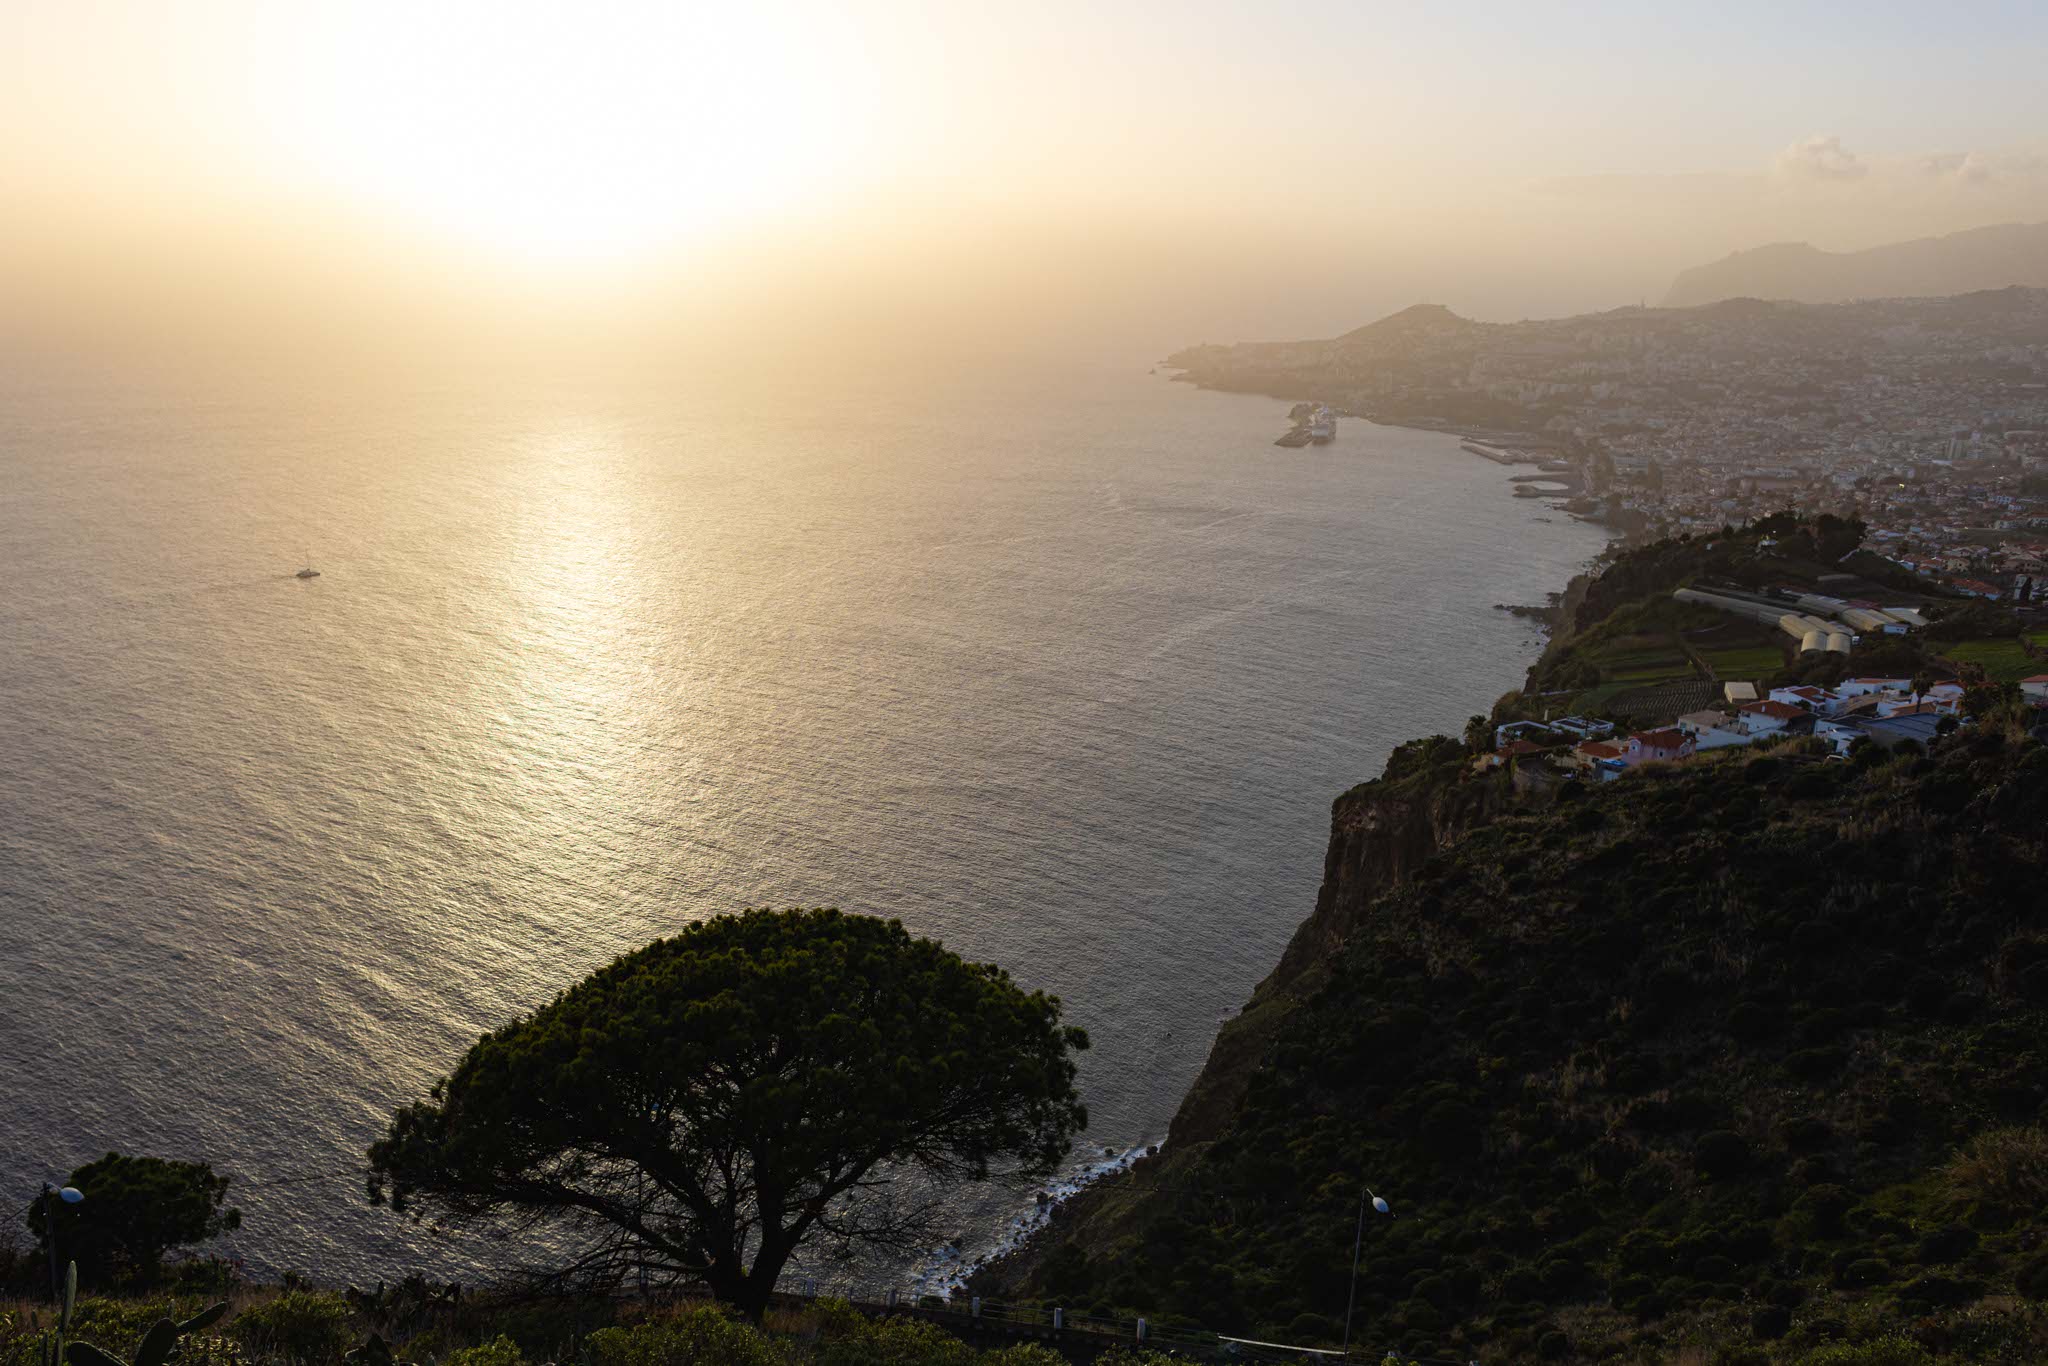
(50,1348)
(157,1344)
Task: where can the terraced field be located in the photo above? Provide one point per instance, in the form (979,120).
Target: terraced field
(1643,659)
(1747,662)
(2001,658)
(1660,702)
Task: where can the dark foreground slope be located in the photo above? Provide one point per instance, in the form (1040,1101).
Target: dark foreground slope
(1748,1052)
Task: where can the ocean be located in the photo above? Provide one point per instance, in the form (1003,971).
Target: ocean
(1061,664)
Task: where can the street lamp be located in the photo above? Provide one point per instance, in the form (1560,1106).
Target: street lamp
(70,1195)
(1357,1242)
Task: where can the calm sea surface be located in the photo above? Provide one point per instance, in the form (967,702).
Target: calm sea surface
(1061,666)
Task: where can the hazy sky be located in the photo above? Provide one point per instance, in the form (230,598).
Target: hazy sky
(1148,172)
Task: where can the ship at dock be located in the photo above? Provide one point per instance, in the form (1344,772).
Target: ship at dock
(1314,424)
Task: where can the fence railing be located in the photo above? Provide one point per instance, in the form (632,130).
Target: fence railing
(1054,1325)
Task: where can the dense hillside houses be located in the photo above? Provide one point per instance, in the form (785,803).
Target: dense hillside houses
(1925,418)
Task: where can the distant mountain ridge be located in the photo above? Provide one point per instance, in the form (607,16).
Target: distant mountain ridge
(1960,263)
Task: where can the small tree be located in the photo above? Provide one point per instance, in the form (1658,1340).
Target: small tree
(136,1209)
(711,1103)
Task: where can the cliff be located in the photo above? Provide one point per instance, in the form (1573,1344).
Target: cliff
(1737,1057)
(1381,832)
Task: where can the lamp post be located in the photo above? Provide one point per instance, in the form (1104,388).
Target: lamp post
(70,1195)
(1357,1242)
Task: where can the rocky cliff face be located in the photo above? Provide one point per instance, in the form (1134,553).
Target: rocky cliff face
(1381,833)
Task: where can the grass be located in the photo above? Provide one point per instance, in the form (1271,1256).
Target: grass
(2001,658)
(1673,670)
(317,1328)
(1745,661)
(1595,700)
(1643,657)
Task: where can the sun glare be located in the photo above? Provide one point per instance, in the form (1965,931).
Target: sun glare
(580,136)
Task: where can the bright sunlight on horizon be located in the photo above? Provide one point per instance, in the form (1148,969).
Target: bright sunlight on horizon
(1139,174)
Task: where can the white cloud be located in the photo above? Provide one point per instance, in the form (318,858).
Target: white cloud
(1983,168)
(1820,158)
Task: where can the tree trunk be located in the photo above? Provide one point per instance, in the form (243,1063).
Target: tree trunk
(754,1287)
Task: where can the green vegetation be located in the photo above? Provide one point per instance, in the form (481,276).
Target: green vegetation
(2003,659)
(1738,1052)
(299,1328)
(158,1342)
(136,1210)
(1745,662)
(1658,703)
(1731,1061)
(711,1103)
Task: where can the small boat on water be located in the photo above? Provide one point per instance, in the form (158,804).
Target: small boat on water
(307,573)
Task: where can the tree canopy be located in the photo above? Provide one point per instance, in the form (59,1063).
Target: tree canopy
(135,1210)
(711,1102)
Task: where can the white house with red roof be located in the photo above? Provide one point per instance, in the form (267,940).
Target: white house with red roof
(1604,759)
(1819,701)
(1713,730)
(1770,718)
(1653,746)
(2035,689)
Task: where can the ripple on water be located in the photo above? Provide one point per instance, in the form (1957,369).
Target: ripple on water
(1065,671)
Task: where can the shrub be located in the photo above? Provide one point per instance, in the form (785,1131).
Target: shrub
(1720,1153)
(2006,1169)
(853,1339)
(697,1337)
(1862,1272)
(1816,1064)
(207,1349)
(500,1351)
(1944,1291)
(1031,1354)
(1807,1134)
(1950,1244)
(1715,1268)
(1821,1211)
(1885,1351)
(1771,1322)
(1753,1021)
(2032,1278)
(302,1326)
(1312,1327)
(117,1326)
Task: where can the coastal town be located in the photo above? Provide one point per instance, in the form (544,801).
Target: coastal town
(1926,419)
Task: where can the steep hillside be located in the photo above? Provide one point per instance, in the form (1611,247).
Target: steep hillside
(1749,1052)
(1962,262)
